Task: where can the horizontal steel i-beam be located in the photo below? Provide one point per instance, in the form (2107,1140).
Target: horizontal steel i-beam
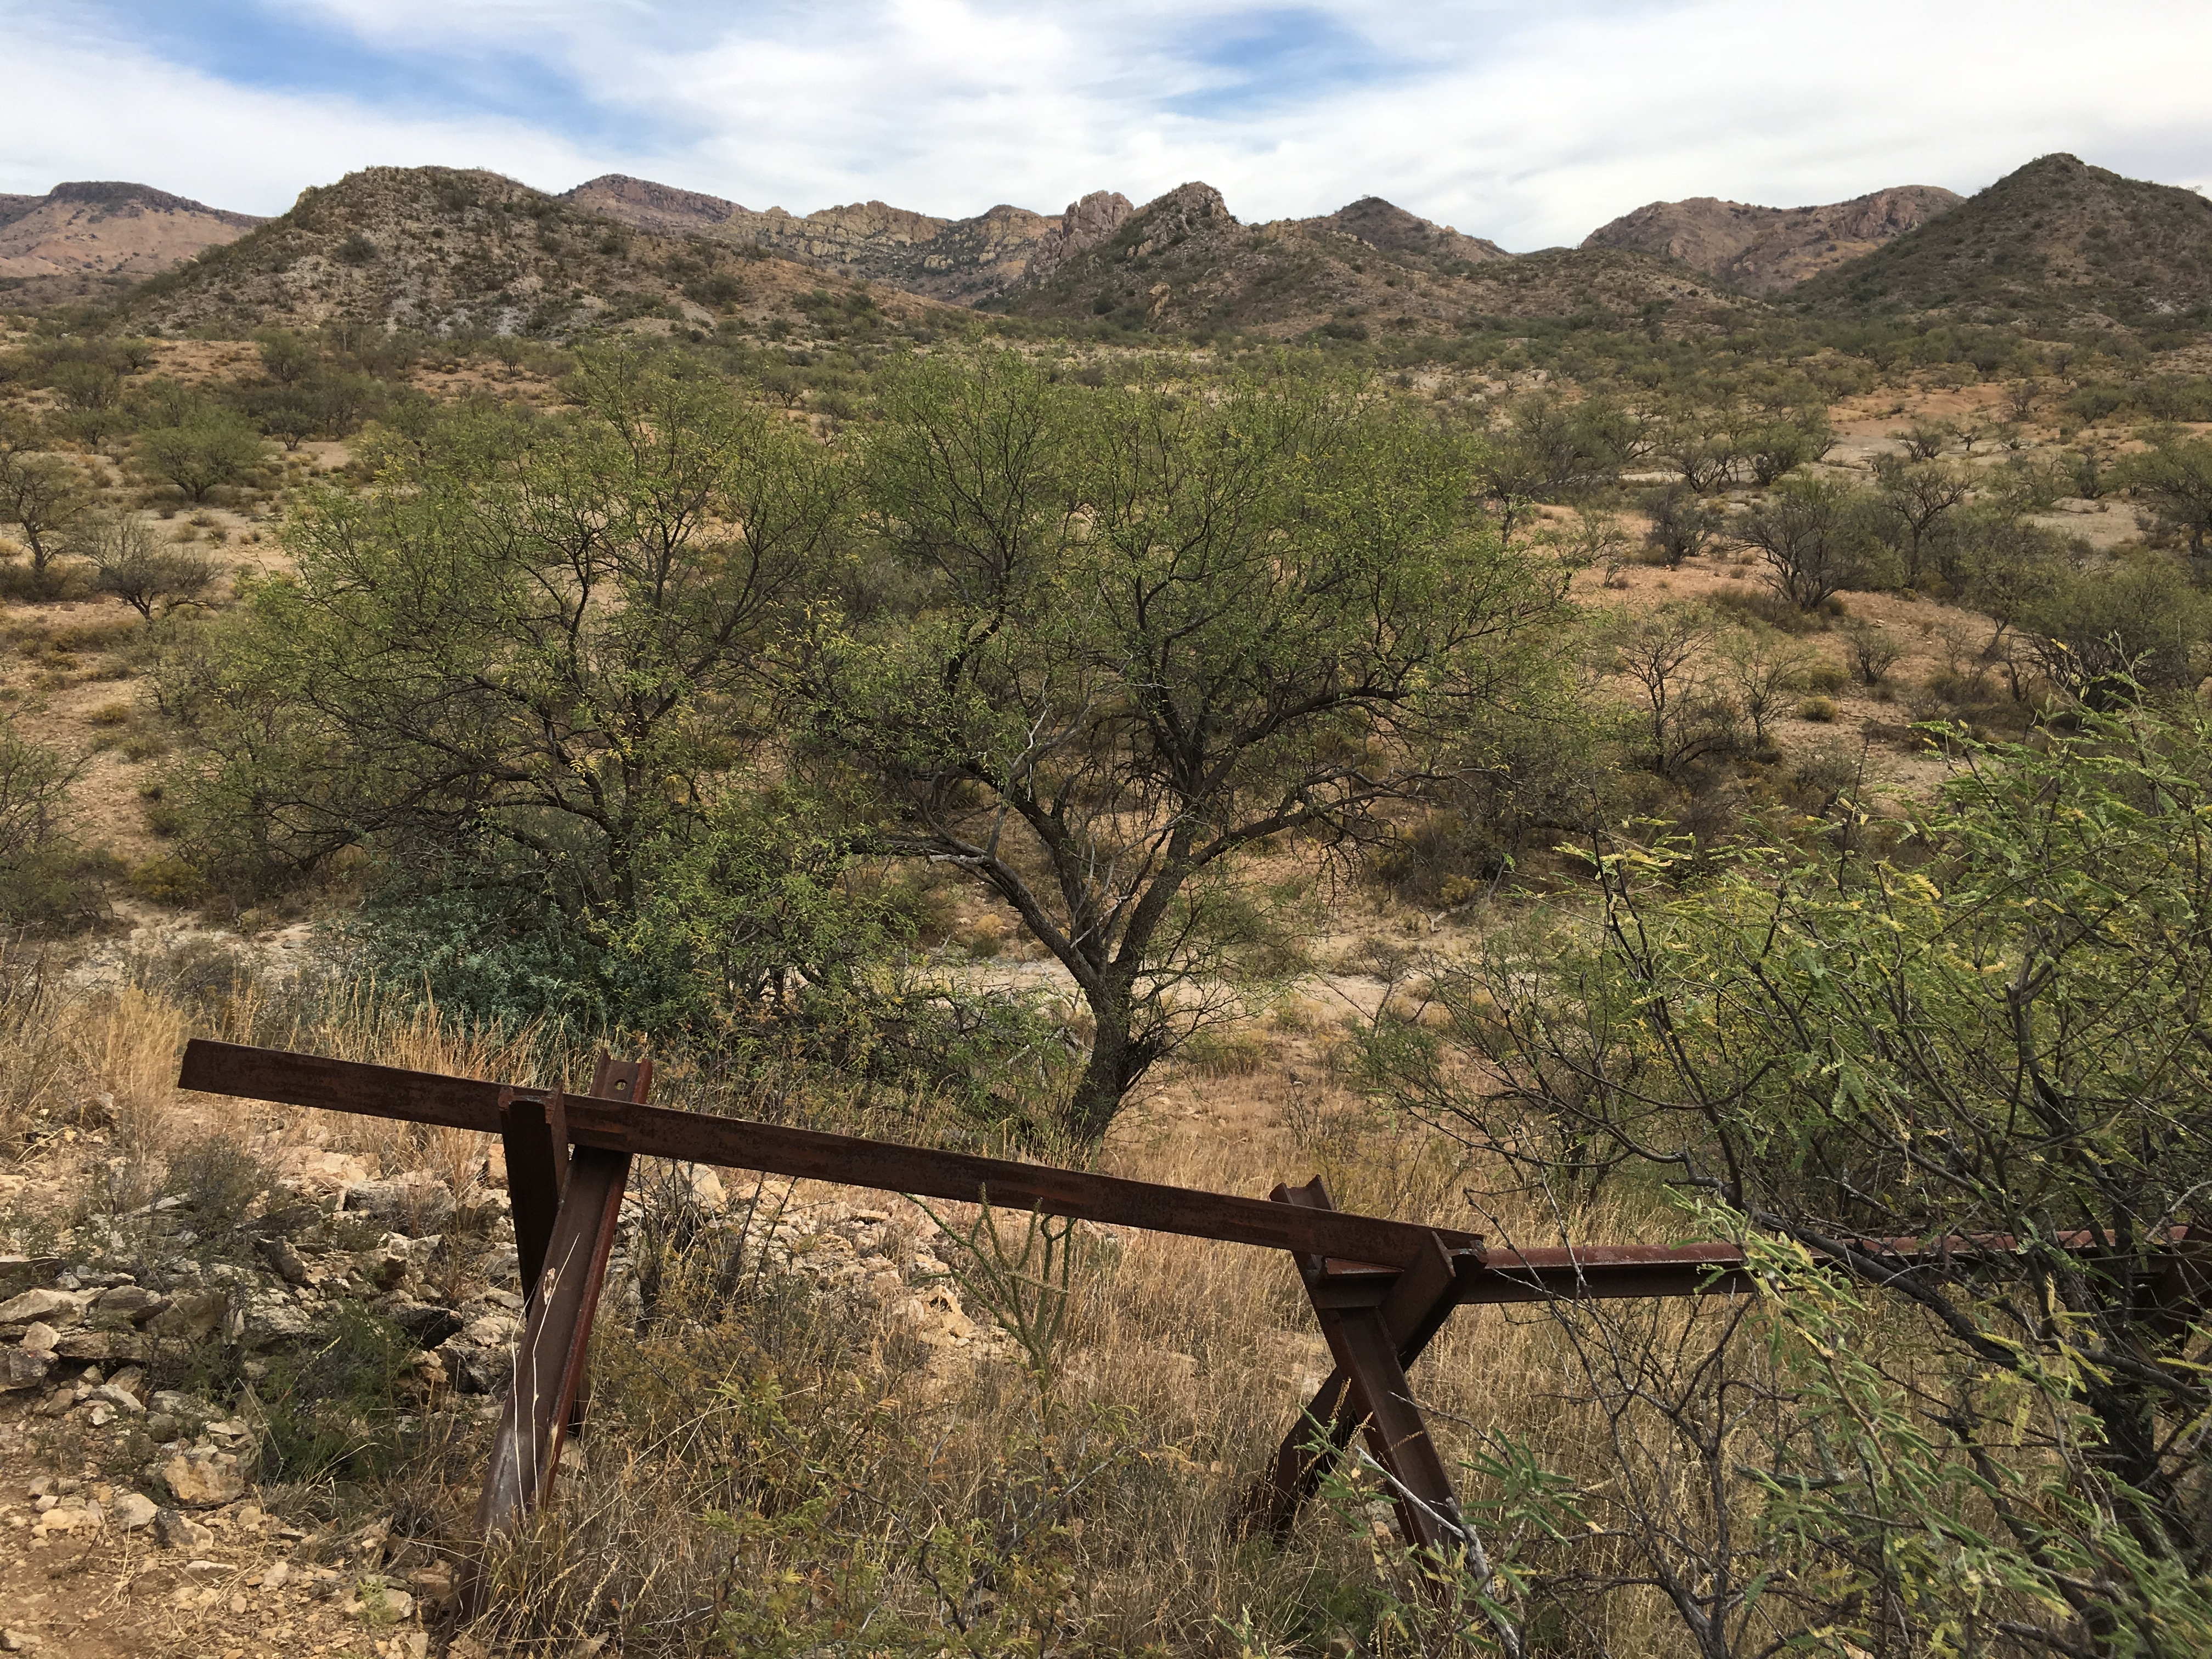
(273,1074)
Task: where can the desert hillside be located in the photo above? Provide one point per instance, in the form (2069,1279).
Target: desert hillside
(80,239)
(441,249)
(959,260)
(1762,250)
(1184,264)
(1557,749)
(2057,242)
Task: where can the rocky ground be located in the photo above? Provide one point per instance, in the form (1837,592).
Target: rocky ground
(161,1365)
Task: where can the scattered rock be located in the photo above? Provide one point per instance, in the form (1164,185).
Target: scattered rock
(416,1203)
(173,1531)
(17,1641)
(205,1569)
(433,1585)
(286,1260)
(428,1322)
(40,1335)
(23,1368)
(193,1313)
(266,1320)
(382,1603)
(204,1479)
(135,1511)
(121,1399)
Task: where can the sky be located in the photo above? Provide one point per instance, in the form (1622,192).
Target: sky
(1529,123)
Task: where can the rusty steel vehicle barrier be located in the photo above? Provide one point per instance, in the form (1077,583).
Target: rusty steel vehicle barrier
(1380,1290)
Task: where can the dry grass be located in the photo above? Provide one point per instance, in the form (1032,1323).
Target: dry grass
(777,1464)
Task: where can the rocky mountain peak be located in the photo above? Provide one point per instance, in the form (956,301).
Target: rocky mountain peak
(1387,225)
(1187,210)
(1089,221)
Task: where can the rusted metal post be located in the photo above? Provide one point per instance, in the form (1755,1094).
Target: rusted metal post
(1415,1309)
(1349,1300)
(571,1257)
(534,1131)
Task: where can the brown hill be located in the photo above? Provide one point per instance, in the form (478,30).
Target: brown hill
(2057,241)
(450,251)
(959,260)
(1762,249)
(82,237)
(1185,264)
(1385,225)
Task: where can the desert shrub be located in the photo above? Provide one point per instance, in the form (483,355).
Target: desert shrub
(332,1410)
(1757,1006)
(47,882)
(1820,710)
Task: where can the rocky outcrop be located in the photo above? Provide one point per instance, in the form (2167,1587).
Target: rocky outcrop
(1762,250)
(1183,264)
(1087,223)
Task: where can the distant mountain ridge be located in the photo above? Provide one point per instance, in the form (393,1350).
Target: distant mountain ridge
(439,248)
(447,249)
(1184,264)
(81,235)
(960,260)
(975,261)
(2057,241)
(1764,250)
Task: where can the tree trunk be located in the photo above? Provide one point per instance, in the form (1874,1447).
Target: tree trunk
(1115,1063)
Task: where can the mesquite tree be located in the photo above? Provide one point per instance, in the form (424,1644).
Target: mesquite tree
(1148,630)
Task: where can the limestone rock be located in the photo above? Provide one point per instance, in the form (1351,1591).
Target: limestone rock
(287,1261)
(133,1511)
(105,1346)
(173,1531)
(266,1320)
(23,1368)
(193,1313)
(203,1479)
(132,1302)
(40,1335)
(56,1307)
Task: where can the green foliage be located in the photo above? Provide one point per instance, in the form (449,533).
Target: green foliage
(46,882)
(1682,527)
(2103,635)
(43,495)
(543,634)
(2001,1038)
(332,1410)
(1149,631)
(1816,536)
(130,563)
(2175,476)
(210,446)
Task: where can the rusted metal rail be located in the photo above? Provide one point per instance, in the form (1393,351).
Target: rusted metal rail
(1380,1290)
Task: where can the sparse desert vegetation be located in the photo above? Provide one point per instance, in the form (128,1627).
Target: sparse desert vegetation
(1556,745)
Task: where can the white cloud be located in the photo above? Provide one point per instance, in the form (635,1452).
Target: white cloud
(1529,123)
